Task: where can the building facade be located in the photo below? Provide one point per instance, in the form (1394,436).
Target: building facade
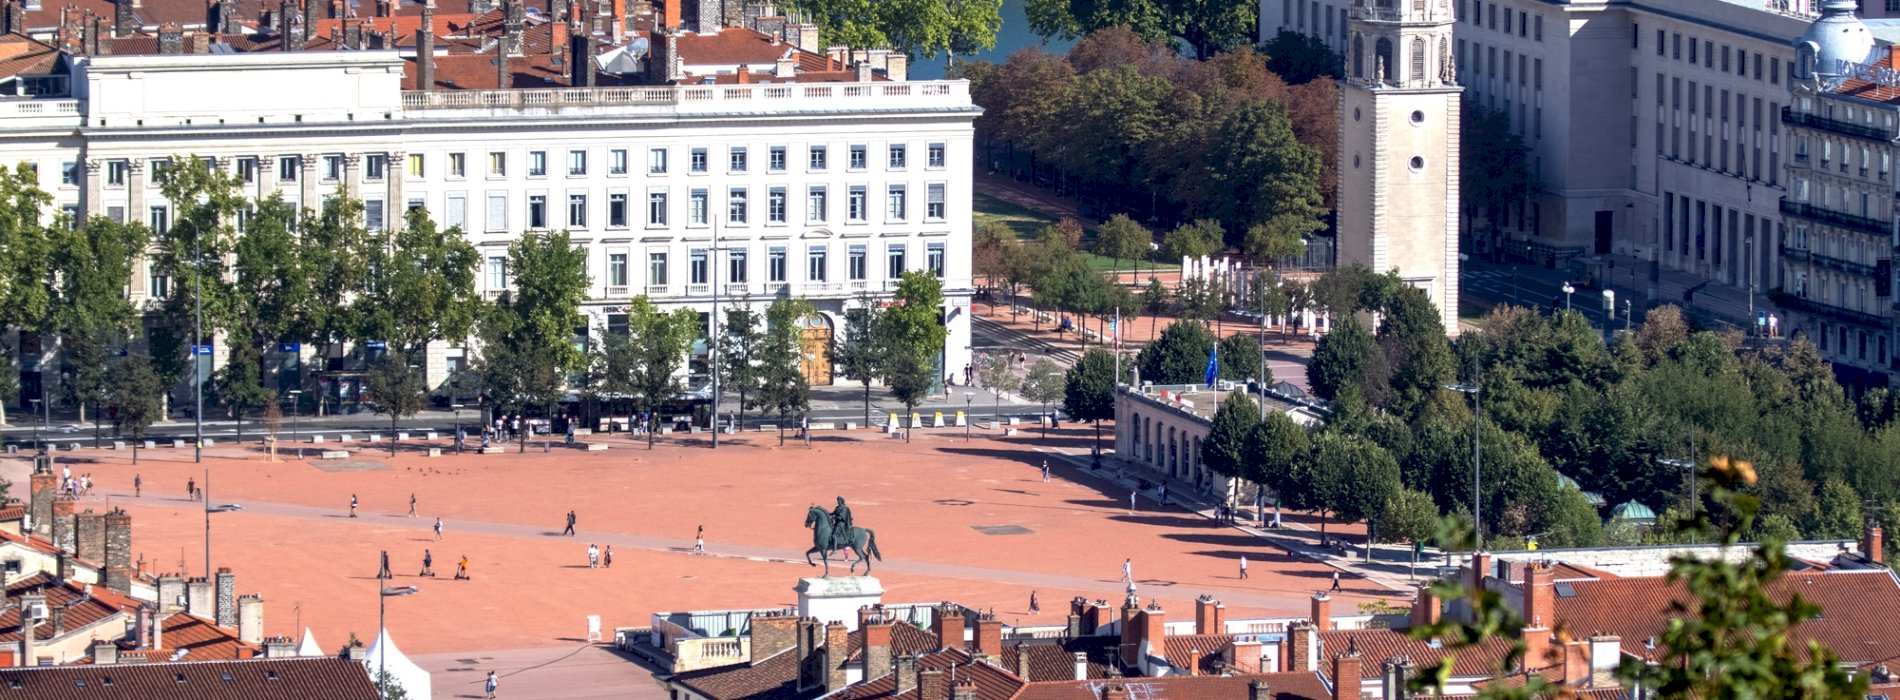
(740,191)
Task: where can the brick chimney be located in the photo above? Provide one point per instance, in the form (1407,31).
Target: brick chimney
(1299,648)
(1194,661)
(1426,608)
(1154,628)
(1244,656)
(125,17)
(1537,648)
(89,544)
(1540,600)
(425,48)
(905,673)
(512,22)
(811,640)
(1576,662)
(171,39)
(1210,616)
(1480,568)
(199,42)
(1322,612)
(227,17)
(1104,616)
(1874,542)
(16,18)
(1346,680)
(1115,691)
(1259,690)
(1079,614)
(118,556)
(558,33)
(1393,676)
(948,625)
(877,646)
(931,685)
(837,648)
(989,635)
(226,598)
(670,20)
(965,689)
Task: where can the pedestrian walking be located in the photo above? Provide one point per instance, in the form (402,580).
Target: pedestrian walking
(438,529)
(1164,494)
(191,488)
(86,484)
(1131,501)
(352,505)
(490,685)
(1035,605)
(699,540)
(428,564)
(461,435)
(1335,580)
(382,572)
(570,525)
(484,440)
(1243,567)
(1128,571)
(138,484)
(607,557)
(461,569)
(412,504)
(593,556)
(1045,471)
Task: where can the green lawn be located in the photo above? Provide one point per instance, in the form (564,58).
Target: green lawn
(1026,222)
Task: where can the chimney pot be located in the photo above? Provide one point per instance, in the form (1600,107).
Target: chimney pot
(1322,615)
(1259,690)
(931,685)
(1346,680)
(1873,547)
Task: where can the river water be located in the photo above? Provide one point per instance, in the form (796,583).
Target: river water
(1014,35)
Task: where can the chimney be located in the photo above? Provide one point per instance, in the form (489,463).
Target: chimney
(125,18)
(1115,691)
(1300,648)
(948,625)
(1259,690)
(356,652)
(280,648)
(905,672)
(897,66)
(90,542)
(709,20)
(1208,615)
(227,17)
(104,652)
(558,11)
(1104,617)
(250,623)
(1244,656)
(226,600)
(837,648)
(312,11)
(742,74)
(501,69)
(1576,668)
(1322,615)
(513,19)
(1540,602)
(16,18)
(964,690)
(1154,630)
(1022,661)
(931,685)
(558,32)
(670,21)
(158,632)
(1081,666)
(62,525)
(786,67)
(989,635)
(1078,606)
(810,639)
(1480,568)
(877,646)
(1537,648)
(1425,608)
(425,48)
(44,486)
(58,613)
(200,42)
(1873,545)
(1393,675)
(28,621)
(772,634)
(1606,651)
(1194,661)
(807,37)
(171,39)
(171,592)
(1346,682)
(201,598)
(864,71)
(143,634)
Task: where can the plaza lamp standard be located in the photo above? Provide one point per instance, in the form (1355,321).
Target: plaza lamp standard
(382,649)
(1477,461)
(968,397)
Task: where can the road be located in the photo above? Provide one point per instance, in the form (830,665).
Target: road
(1536,287)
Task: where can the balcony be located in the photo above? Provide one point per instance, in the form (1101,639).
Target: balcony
(1818,308)
(931,95)
(736,289)
(1861,224)
(1845,128)
(1378,14)
(1803,255)
(659,290)
(698,290)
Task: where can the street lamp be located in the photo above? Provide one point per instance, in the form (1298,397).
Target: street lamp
(1568,290)
(382,653)
(295,396)
(458,427)
(968,397)
(37,446)
(1477,461)
(1609,315)
(197,336)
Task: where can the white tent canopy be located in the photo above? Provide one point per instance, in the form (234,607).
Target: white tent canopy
(309,646)
(401,669)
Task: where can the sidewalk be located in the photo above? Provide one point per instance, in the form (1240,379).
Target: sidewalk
(1712,301)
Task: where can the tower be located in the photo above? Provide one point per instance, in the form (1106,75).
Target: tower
(1398,147)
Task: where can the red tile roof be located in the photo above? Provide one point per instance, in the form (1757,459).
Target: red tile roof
(1179,649)
(79,609)
(1869,90)
(992,683)
(199,638)
(1282,686)
(1377,645)
(1637,609)
(1054,660)
(264,679)
(19,55)
(775,678)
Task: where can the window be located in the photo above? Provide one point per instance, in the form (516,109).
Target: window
(696,208)
(894,259)
(577,211)
(246,166)
(457,214)
(332,168)
(1538,22)
(933,258)
(897,156)
(735,266)
(537,163)
(115,172)
(656,161)
(616,210)
(414,166)
(617,269)
(497,164)
(497,212)
(376,166)
(817,158)
(656,208)
(737,158)
(157,284)
(857,157)
(577,162)
(775,205)
(698,160)
(854,267)
(617,161)
(736,206)
(537,211)
(815,204)
(894,209)
(1660,44)
(858,205)
(287,169)
(458,165)
(656,268)
(159,218)
(775,264)
(815,266)
(497,272)
(936,158)
(158,166)
(373,214)
(776,162)
(696,266)
(933,202)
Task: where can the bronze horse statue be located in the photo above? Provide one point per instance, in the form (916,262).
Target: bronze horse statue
(827,538)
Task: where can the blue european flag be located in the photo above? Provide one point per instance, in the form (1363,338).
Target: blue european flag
(1213,366)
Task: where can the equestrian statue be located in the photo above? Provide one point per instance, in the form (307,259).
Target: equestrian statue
(834,532)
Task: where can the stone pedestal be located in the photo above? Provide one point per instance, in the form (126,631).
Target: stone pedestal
(838,598)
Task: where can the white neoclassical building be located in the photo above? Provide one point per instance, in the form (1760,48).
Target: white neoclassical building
(746,189)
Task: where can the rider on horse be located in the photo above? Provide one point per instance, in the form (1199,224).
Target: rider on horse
(841,523)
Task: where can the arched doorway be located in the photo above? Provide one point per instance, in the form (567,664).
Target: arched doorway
(816,362)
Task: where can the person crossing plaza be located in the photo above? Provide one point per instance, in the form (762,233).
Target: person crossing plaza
(352,505)
(438,529)
(699,541)
(428,564)
(461,569)
(412,504)
(569,531)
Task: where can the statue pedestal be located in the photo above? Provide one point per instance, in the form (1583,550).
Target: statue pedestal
(838,598)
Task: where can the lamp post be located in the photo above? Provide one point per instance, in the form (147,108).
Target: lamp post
(1568,290)
(197,337)
(37,446)
(295,404)
(712,330)
(968,398)
(1477,460)
(1609,315)
(1687,466)
(382,653)
(458,427)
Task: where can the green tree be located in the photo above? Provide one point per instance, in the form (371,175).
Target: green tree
(26,252)
(1088,390)
(1194,239)
(1837,516)
(909,377)
(1241,359)
(1352,478)
(855,356)
(1301,58)
(1268,181)
(137,392)
(1224,450)
(239,385)
(398,390)
(1276,453)
(1340,358)
(1410,516)
(1110,115)
(1207,26)
(534,324)
(335,248)
(1122,238)
(1198,299)
(424,286)
(660,343)
(993,371)
(991,247)
(1044,384)
(783,388)
(196,254)
(916,27)
(93,320)
(910,336)
(740,341)
(1179,356)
